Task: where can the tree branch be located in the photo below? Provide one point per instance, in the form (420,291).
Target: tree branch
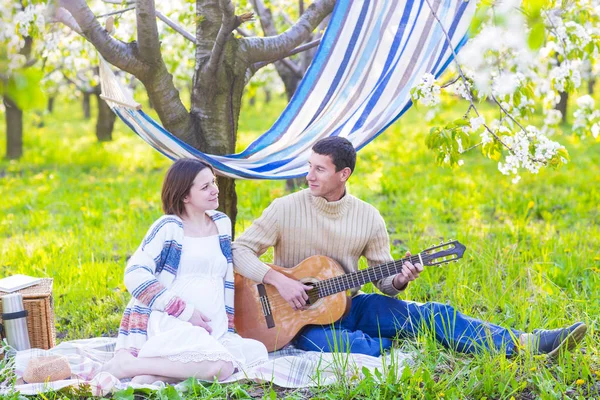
(147,31)
(65,17)
(265,18)
(299,49)
(116,52)
(175,27)
(116,12)
(72,82)
(228,23)
(153,74)
(276,47)
(244,32)
(119,2)
(266,22)
(286,17)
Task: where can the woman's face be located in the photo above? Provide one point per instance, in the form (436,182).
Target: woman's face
(204,193)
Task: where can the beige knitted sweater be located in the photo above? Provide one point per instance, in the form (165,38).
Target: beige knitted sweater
(301,225)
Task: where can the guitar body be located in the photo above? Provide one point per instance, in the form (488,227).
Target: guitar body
(262,314)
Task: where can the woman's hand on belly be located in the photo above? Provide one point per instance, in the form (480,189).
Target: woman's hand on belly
(199,319)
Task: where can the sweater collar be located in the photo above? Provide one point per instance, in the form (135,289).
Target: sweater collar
(332,209)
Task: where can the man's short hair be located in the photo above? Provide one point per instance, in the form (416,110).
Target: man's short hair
(340,150)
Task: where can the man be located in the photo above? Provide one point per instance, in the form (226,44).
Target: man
(325,220)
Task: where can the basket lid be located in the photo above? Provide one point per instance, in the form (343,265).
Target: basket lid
(41,289)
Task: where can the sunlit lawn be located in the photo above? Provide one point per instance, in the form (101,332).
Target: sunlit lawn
(74,210)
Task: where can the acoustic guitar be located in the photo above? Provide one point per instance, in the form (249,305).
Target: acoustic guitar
(262,314)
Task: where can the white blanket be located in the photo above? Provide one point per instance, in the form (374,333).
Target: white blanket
(288,368)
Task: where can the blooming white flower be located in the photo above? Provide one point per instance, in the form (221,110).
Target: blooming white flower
(553,117)
(477,122)
(595,130)
(427,90)
(506,83)
(462,89)
(586,102)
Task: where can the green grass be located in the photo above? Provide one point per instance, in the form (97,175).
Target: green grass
(74,210)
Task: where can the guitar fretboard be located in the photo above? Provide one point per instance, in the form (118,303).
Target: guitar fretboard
(357,279)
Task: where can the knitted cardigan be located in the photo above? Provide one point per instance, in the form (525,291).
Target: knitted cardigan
(150,274)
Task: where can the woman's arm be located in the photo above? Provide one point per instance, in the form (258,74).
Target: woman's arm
(159,247)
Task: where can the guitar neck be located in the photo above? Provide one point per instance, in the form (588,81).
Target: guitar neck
(358,278)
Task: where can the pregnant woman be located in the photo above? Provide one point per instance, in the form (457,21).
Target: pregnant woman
(179,323)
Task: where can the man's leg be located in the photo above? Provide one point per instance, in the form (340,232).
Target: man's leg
(377,315)
(330,339)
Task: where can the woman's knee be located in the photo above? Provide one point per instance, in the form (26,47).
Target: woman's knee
(210,370)
(225,371)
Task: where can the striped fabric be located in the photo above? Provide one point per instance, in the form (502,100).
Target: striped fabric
(151,271)
(372,54)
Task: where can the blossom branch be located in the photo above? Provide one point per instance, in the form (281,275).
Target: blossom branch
(464,79)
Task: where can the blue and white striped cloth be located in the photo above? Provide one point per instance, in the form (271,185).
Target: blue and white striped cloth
(372,54)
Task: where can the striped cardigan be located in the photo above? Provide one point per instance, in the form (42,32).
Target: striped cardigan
(150,274)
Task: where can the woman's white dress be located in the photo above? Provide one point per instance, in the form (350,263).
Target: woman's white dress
(200,281)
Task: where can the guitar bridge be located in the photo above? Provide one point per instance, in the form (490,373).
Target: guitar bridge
(266,305)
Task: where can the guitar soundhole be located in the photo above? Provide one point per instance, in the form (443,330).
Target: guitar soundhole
(313,293)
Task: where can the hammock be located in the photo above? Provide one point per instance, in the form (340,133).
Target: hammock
(372,54)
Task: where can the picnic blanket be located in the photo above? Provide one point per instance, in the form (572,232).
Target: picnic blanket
(288,368)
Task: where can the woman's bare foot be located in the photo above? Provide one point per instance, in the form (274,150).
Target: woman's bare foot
(150,379)
(120,365)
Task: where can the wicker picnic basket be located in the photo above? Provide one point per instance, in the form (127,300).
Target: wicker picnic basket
(38,302)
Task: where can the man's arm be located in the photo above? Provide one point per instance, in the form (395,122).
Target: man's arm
(377,252)
(262,234)
(250,245)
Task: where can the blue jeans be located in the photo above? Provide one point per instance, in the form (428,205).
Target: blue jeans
(375,319)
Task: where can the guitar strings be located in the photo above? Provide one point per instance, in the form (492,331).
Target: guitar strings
(328,287)
(337,284)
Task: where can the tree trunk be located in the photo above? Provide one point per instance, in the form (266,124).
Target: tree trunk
(223,103)
(591,84)
(267,96)
(562,105)
(14,130)
(105,122)
(291,185)
(86,105)
(228,199)
(50,104)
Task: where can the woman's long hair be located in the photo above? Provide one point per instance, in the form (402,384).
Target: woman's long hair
(178,182)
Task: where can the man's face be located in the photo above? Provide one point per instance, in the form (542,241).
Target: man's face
(323,180)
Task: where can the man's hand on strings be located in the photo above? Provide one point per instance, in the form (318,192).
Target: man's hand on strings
(292,291)
(409,273)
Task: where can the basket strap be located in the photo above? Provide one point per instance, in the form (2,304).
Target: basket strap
(14,315)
